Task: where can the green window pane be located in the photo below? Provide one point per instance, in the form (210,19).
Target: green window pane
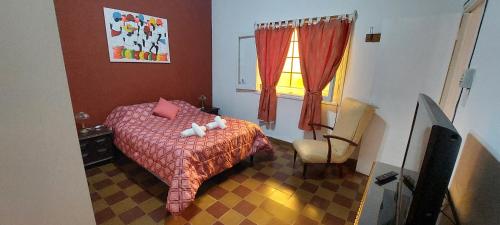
(296,65)
(284,80)
(297,81)
(288,65)
(290,50)
(295,49)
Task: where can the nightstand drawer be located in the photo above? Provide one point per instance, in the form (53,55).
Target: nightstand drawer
(103,152)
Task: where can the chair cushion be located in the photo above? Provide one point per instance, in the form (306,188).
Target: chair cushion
(313,151)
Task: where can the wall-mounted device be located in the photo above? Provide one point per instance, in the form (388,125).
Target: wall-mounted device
(467,78)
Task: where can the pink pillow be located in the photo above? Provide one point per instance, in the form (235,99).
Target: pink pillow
(165,109)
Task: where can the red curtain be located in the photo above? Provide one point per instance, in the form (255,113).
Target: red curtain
(272,47)
(321,48)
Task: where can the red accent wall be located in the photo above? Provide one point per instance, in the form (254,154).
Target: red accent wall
(97,86)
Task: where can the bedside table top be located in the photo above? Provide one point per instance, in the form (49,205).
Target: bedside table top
(94,133)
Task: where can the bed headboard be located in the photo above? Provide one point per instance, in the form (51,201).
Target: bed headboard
(475,185)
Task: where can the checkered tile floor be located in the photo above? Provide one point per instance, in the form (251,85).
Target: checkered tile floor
(269,192)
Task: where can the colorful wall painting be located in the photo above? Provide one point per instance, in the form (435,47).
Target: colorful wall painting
(135,37)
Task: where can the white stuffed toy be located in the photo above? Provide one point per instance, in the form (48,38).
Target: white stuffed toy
(194,130)
(218,123)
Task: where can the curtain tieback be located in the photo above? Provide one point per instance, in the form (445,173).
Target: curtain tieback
(268,89)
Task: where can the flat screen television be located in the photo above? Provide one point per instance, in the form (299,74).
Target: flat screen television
(428,163)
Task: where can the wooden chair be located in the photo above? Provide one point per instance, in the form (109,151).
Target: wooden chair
(352,120)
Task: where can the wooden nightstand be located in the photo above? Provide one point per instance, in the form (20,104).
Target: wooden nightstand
(211,110)
(96,146)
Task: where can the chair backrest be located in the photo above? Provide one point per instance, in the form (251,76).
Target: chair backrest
(353,119)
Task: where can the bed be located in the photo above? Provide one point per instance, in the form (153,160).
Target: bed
(182,163)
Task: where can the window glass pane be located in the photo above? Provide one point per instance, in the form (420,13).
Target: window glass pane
(295,49)
(326,90)
(294,36)
(297,81)
(284,80)
(288,65)
(296,65)
(290,50)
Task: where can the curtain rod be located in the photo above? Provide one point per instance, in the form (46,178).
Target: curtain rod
(300,22)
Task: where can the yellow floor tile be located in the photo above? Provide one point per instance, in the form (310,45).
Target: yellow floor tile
(202,218)
(349,193)
(313,212)
(204,201)
(109,190)
(255,198)
(325,193)
(99,205)
(114,221)
(252,184)
(230,199)
(231,217)
(338,210)
(171,220)
(151,204)
(123,206)
(279,197)
(132,190)
(143,221)
(259,216)
(279,211)
(229,185)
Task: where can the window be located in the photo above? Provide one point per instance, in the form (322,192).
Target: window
(290,82)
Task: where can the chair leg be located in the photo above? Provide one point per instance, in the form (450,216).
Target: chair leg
(294,158)
(339,166)
(304,171)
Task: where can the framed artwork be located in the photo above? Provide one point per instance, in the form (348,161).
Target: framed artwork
(135,37)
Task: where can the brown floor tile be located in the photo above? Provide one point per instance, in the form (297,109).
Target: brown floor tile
(242,191)
(217,192)
(104,215)
(132,214)
(309,187)
(302,220)
(350,185)
(102,184)
(141,196)
(125,183)
(244,208)
(158,214)
(332,220)
(330,186)
(240,178)
(190,212)
(319,202)
(260,176)
(341,200)
(247,222)
(217,209)
(114,198)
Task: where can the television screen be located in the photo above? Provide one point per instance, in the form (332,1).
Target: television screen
(427,166)
(416,148)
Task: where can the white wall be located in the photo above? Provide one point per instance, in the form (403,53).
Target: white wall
(388,74)
(479,110)
(42,180)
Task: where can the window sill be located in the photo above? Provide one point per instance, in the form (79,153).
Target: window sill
(284,96)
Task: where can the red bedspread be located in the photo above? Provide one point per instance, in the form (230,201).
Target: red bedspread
(183,163)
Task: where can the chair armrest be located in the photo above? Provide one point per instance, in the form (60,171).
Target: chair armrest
(340,138)
(328,137)
(318,125)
